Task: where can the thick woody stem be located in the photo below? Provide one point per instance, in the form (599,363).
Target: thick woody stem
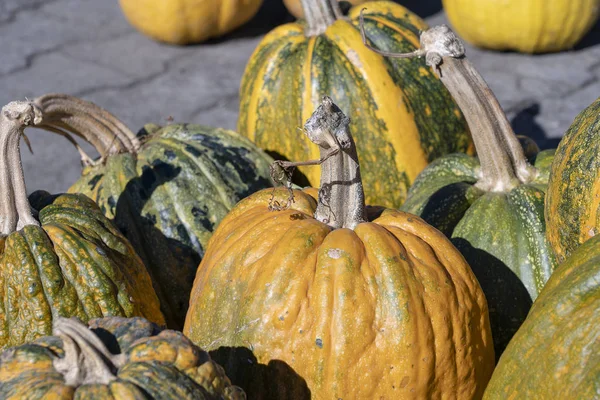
(86,360)
(341,196)
(15,211)
(503,163)
(320,14)
(65,115)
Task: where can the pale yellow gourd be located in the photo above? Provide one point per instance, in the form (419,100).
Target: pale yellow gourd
(188,21)
(528,26)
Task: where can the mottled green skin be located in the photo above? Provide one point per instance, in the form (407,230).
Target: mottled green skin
(76,264)
(573,201)
(501,235)
(169,197)
(289,73)
(160,364)
(555,353)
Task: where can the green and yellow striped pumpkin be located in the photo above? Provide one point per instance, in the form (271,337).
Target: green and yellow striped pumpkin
(402,117)
(166,189)
(68,260)
(554,355)
(573,203)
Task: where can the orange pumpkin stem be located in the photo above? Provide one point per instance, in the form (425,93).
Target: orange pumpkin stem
(86,360)
(341,195)
(66,115)
(15,211)
(501,156)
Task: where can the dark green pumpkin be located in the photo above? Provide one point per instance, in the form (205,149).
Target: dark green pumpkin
(167,193)
(572,207)
(554,355)
(402,117)
(116,358)
(492,207)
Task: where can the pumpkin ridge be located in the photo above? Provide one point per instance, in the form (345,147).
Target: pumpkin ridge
(201,166)
(92,273)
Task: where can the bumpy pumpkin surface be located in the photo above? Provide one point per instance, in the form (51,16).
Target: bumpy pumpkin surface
(491,206)
(167,193)
(573,203)
(70,260)
(383,308)
(555,353)
(530,26)
(188,21)
(403,118)
(116,358)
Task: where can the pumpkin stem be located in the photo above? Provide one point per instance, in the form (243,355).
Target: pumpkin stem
(64,114)
(15,211)
(86,360)
(320,14)
(341,196)
(503,162)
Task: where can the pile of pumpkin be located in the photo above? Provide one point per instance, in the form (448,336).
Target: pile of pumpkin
(297,293)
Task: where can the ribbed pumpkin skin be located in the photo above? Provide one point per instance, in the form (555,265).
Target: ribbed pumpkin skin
(572,206)
(529,26)
(161,364)
(402,116)
(76,264)
(387,310)
(555,353)
(501,235)
(188,21)
(169,198)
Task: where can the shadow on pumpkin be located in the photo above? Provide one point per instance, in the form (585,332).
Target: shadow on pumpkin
(297,177)
(276,380)
(149,242)
(508,299)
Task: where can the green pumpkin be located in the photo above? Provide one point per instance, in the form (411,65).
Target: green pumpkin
(573,202)
(402,117)
(68,260)
(115,358)
(554,355)
(166,189)
(492,207)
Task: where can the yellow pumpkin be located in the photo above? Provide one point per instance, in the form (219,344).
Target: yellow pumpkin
(528,26)
(326,299)
(188,21)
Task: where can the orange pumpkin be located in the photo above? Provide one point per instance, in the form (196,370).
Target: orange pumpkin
(338,301)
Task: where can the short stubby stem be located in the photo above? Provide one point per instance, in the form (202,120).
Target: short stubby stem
(502,161)
(341,202)
(319,14)
(15,211)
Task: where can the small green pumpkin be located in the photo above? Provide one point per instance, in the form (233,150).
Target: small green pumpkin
(491,206)
(573,203)
(554,355)
(166,189)
(115,358)
(69,261)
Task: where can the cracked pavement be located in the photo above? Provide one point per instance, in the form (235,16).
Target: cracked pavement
(86,48)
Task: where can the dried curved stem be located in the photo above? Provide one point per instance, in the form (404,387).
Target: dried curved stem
(341,196)
(503,163)
(65,115)
(15,211)
(86,360)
